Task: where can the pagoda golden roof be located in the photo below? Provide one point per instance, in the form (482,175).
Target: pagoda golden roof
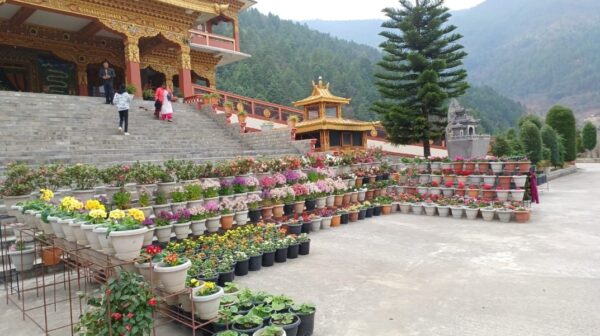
(321,94)
(337,124)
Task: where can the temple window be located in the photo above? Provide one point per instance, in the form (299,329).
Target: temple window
(331,111)
(313,112)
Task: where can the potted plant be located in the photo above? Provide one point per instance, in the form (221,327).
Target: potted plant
(271,331)
(84,177)
(472,210)
(268,248)
(430,207)
(504,214)
(160,203)
(242,115)
(172,272)
(206,300)
(178,199)
(488,192)
(182,221)
(149,256)
(487,212)
(496,165)
(304,241)
(226,270)
(227,213)
(255,253)
(326,218)
(457,209)
(281,250)
(288,321)
(293,247)
(443,208)
(213,216)
(22,256)
(315,222)
(248,323)
(17,186)
(522,215)
(242,265)
(473,191)
(306,313)
(517,195)
(292,121)
(240,209)
(198,220)
(126,233)
(253,202)
(386,204)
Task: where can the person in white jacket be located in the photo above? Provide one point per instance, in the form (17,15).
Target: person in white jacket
(122,100)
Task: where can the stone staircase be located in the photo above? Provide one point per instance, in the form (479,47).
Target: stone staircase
(43,128)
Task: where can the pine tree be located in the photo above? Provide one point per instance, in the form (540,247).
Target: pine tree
(532,141)
(562,120)
(420,70)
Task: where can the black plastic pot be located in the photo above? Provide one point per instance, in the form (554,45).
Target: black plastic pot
(268,259)
(386,176)
(307,324)
(369,213)
(245,331)
(254,215)
(344,218)
(242,267)
(281,255)
(291,329)
(365,180)
(216,327)
(377,211)
(362,214)
(293,251)
(225,277)
(255,263)
(288,209)
(295,229)
(378,177)
(215,279)
(244,310)
(304,248)
(306,227)
(310,205)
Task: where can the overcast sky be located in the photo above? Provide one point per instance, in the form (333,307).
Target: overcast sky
(339,9)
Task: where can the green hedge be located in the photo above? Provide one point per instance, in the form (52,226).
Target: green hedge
(562,120)
(531,139)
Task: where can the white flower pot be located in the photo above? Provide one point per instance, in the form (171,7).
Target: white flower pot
(80,236)
(105,243)
(443,211)
(9,201)
(497,167)
(46,227)
(489,179)
(395,206)
(424,178)
(405,208)
(517,195)
(64,224)
(158,208)
(321,202)
(475,179)
(182,230)
(172,277)
(92,238)
(417,208)
(315,224)
(471,213)
(149,236)
(84,195)
(457,212)
(502,195)
(260,332)
(362,194)
(127,244)
(207,307)
(163,233)
(241,218)
(195,204)
(198,227)
(325,223)
(430,209)
(437,179)
(146,269)
(504,215)
(56,227)
(148,211)
(178,206)
(435,191)
(423,190)
(166,187)
(213,224)
(435,165)
(488,214)
(149,188)
(330,201)
(110,192)
(520,180)
(448,192)
(22,260)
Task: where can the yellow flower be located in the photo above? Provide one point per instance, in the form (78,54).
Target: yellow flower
(98,214)
(117,214)
(46,195)
(70,204)
(209,285)
(137,214)
(94,205)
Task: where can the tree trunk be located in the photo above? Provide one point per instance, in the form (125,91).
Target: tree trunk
(426,148)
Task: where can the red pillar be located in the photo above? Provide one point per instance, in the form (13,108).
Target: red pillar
(134,76)
(185,82)
(82,80)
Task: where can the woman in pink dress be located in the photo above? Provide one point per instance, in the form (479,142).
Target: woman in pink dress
(166,110)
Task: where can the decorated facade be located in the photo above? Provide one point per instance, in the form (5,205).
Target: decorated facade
(58,46)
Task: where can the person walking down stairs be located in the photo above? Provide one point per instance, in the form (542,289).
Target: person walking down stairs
(122,100)
(165,96)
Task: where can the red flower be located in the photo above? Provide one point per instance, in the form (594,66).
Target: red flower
(152,302)
(128,327)
(130,315)
(108,292)
(116,316)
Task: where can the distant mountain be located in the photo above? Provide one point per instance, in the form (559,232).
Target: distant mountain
(540,52)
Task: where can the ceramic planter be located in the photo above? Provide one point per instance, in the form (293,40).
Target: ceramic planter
(46,227)
(149,236)
(520,180)
(509,167)
(497,167)
(158,208)
(198,227)
(460,192)
(405,208)
(423,191)
(475,179)
(80,236)
(483,167)
(504,215)
(488,214)
(172,277)
(435,191)
(473,193)
(51,255)
(448,192)
(105,243)
(175,207)
(361,195)
(299,207)
(489,179)
(524,166)
(321,202)
(335,220)
(207,307)
(11,201)
(436,178)
(430,209)
(278,211)
(163,233)
(488,194)
(443,211)
(226,221)
(92,238)
(110,192)
(22,260)
(417,208)
(472,213)
(522,216)
(182,230)
(267,213)
(127,244)
(56,227)
(166,187)
(386,209)
(330,201)
(69,235)
(502,195)
(326,223)
(424,178)
(517,195)
(149,188)
(213,224)
(457,212)
(148,211)
(315,224)
(339,200)
(195,203)
(469,166)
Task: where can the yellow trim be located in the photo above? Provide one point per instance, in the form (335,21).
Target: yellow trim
(321,94)
(335,124)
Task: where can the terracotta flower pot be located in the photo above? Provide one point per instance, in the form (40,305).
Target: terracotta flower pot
(51,255)
(409,190)
(354,197)
(473,193)
(509,167)
(484,167)
(335,221)
(489,194)
(460,192)
(504,182)
(354,216)
(339,200)
(242,118)
(457,166)
(346,199)
(449,178)
(359,182)
(299,207)
(469,166)
(522,216)
(376,192)
(226,221)
(386,209)
(278,210)
(369,195)
(524,166)
(267,212)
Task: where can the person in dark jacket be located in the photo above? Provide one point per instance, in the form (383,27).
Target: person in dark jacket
(107,74)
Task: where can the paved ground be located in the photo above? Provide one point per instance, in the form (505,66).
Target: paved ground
(413,275)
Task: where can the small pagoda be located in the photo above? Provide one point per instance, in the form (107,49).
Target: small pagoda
(324,123)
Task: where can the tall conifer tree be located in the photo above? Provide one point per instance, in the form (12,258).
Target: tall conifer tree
(420,70)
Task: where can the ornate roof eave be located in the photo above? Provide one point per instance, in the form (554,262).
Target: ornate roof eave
(336,125)
(318,99)
(206,7)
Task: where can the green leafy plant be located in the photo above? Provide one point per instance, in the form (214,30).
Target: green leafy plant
(279,302)
(283,319)
(122,199)
(272,331)
(161,198)
(131,88)
(84,176)
(248,321)
(230,288)
(144,199)
(193,192)
(20,180)
(304,309)
(178,195)
(145,173)
(264,311)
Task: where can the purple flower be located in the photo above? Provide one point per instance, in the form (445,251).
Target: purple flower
(239,180)
(212,206)
(148,222)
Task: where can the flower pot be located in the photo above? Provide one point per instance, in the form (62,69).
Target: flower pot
(105,243)
(255,263)
(306,227)
(22,260)
(369,195)
(267,213)
(158,208)
(509,167)
(163,233)
(254,215)
(339,200)
(198,227)
(457,212)
(423,191)
(471,213)
(469,166)
(242,331)
(488,194)
(326,223)
(435,191)
(430,209)
(290,329)
(475,179)
(127,244)
(148,211)
(149,188)
(520,180)
(110,193)
(405,208)
(483,167)
(195,204)
(206,307)
(386,209)
(417,208)
(362,214)
(489,179)
(504,215)
(295,229)
(488,214)
(344,218)
(330,201)
(517,195)
(457,166)
(213,224)
(321,202)
(146,269)
(307,323)
(443,211)
(362,195)
(473,193)
(51,255)
(288,209)
(242,267)
(165,187)
(437,179)
(182,230)
(335,220)
(176,207)
(10,201)
(241,218)
(497,167)
(522,216)
(424,178)
(315,224)
(92,238)
(225,277)
(78,233)
(353,216)
(268,259)
(84,195)
(66,228)
(376,193)
(524,166)
(292,251)
(226,222)
(304,248)
(299,207)
(278,210)
(281,255)
(311,205)
(502,195)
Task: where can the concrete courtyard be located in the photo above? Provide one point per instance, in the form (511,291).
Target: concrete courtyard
(415,275)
